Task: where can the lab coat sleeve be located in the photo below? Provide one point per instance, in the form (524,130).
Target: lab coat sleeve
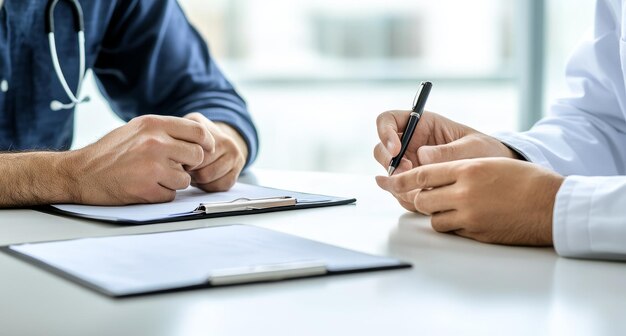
(584,138)
(585,133)
(152,61)
(589,219)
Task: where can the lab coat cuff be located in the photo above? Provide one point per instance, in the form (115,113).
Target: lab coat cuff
(525,149)
(240,124)
(570,221)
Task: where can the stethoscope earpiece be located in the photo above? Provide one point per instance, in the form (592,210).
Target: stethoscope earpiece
(78,17)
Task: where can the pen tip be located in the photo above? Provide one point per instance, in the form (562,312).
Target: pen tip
(390,170)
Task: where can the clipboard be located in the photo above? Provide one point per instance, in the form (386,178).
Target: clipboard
(193,204)
(140,264)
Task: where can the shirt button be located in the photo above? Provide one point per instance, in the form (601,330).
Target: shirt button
(4,85)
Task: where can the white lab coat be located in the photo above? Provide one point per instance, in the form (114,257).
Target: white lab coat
(584,138)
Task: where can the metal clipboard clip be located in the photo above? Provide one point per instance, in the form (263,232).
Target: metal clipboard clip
(272,272)
(243,204)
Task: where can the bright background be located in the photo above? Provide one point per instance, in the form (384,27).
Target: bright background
(316,73)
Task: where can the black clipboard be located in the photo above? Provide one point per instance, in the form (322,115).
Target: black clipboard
(300,258)
(279,200)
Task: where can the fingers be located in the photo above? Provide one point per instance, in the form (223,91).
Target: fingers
(432,201)
(188,154)
(191,131)
(195,116)
(388,128)
(220,169)
(206,122)
(220,174)
(212,171)
(425,201)
(468,147)
(424,177)
(381,154)
(404,166)
(384,183)
(157,194)
(406,200)
(175,178)
(222,183)
(162,147)
(178,128)
(445,221)
(456,150)
(161,188)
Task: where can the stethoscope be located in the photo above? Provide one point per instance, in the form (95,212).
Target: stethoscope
(79,28)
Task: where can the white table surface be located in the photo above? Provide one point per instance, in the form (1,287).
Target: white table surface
(456,286)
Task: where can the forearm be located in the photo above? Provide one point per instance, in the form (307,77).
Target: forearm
(34,178)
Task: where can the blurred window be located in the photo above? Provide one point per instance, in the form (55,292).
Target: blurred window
(316,73)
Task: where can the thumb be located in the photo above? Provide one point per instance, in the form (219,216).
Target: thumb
(456,150)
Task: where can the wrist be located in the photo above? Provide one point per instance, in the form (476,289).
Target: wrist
(553,185)
(63,179)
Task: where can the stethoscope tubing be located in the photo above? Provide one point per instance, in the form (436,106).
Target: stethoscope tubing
(80,31)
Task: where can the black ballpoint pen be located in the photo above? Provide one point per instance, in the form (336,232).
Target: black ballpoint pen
(419,102)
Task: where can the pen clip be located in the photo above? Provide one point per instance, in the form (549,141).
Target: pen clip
(242,204)
(417,97)
(419,104)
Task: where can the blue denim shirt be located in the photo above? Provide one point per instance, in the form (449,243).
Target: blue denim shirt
(146,58)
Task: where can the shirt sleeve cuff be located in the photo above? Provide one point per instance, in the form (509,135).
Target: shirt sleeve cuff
(570,221)
(525,149)
(240,124)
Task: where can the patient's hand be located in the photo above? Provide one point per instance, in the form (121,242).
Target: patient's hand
(221,167)
(140,162)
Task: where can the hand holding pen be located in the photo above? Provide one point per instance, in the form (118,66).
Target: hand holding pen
(419,103)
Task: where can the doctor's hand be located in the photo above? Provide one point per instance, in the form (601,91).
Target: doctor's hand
(141,162)
(436,139)
(221,166)
(492,200)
